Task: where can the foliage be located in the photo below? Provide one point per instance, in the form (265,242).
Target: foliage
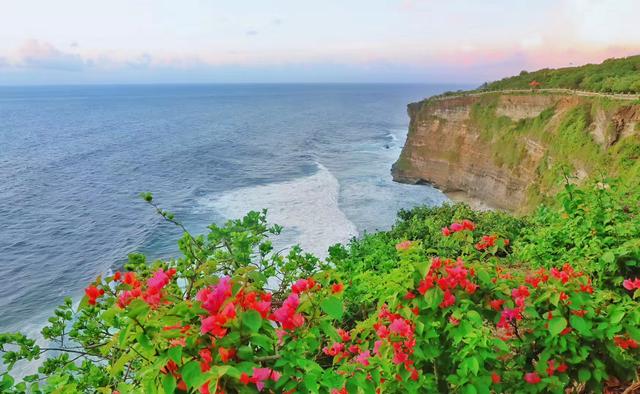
(448,300)
(620,75)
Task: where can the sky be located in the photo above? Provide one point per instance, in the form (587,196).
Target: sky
(246,41)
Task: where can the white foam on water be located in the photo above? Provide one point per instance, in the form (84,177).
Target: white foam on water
(306,207)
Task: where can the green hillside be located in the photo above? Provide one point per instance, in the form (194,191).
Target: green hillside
(611,76)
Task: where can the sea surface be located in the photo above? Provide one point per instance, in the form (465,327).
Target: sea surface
(74,159)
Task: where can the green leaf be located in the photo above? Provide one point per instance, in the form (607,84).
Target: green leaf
(252,320)
(192,375)
(616,316)
(169,384)
(556,325)
(333,307)
(137,307)
(424,267)
(175,353)
(584,375)
(262,340)
(608,257)
(580,325)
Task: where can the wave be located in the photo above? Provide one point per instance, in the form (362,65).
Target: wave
(307,208)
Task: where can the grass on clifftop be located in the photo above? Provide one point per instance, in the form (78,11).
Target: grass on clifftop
(611,76)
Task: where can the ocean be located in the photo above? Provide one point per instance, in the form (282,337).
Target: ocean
(74,159)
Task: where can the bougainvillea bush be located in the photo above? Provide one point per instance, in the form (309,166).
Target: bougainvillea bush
(449,300)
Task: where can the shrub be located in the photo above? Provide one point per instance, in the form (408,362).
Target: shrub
(440,303)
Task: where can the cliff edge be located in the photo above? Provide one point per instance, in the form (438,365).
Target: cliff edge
(510,148)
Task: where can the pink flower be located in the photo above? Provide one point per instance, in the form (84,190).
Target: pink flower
(260,375)
(399,326)
(404,245)
(454,321)
(213,297)
(160,279)
(455,227)
(286,315)
(376,347)
(631,284)
(532,378)
(363,358)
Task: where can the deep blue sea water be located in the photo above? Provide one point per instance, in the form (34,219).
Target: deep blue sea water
(74,159)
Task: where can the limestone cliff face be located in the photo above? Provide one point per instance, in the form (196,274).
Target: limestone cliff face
(505,148)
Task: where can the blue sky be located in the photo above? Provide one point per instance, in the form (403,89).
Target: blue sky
(145,41)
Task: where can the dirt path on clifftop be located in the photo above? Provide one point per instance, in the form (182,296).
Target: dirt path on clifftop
(582,93)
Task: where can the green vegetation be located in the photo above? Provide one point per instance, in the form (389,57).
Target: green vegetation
(611,76)
(448,300)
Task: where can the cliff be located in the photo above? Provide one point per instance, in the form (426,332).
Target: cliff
(510,149)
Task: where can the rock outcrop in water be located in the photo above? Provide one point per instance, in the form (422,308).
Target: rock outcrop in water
(510,149)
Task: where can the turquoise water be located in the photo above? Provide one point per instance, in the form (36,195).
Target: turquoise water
(74,159)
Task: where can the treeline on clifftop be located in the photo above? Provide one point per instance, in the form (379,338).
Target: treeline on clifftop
(448,300)
(621,75)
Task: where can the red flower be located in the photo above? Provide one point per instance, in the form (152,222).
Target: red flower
(496,305)
(117,276)
(454,321)
(487,242)
(426,284)
(532,378)
(244,378)
(580,312)
(533,281)
(344,335)
(446,232)
(448,300)
(551,368)
(495,378)
(625,343)
(205,354)
(562,368)
(226,354)
(303,285)
(337,288)
(409,295)
(334,350)
(130,279)
(93,293)
(468,225)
